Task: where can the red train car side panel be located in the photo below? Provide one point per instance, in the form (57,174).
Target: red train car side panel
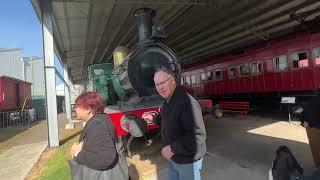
(302,73)
(13,94)
(315,45)
(1,94)
(25,94)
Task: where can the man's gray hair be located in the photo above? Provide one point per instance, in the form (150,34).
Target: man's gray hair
(166,70)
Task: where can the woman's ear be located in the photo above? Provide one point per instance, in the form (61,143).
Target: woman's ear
(87,110)
(90,111)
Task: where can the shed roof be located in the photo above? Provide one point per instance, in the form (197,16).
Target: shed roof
(87,31)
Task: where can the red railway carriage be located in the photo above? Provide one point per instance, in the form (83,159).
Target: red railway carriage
(287,65)
(15,101)
(14,94)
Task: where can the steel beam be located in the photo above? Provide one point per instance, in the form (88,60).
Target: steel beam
(210,43)
(72,1)
(67,25)
(59,44)
(97,49)
(67,92)
(134,2)
(234,43)
(89,21)
(201,27)
(216,26)
(220,35)
(112,38)
(50,81)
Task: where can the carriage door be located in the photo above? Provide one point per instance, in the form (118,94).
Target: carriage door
(301,71)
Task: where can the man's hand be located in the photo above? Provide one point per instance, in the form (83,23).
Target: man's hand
(76,148)
(167,152)
(149,116)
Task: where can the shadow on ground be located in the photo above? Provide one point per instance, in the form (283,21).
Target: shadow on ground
(251,142)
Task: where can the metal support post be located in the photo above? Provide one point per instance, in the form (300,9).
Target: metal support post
(289,114)
(67,93)
(50,81)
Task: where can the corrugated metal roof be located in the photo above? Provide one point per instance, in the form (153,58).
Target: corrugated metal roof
(87,31)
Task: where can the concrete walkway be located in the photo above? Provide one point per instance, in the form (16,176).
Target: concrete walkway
(219,168)
(24,149)
(18,161)
(213,167)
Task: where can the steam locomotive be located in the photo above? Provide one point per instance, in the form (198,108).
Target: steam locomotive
(127,86)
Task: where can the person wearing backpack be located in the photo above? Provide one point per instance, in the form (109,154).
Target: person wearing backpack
(98,154)
(286,167)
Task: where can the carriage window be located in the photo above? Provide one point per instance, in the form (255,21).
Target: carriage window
(316,53)
(193,79)
(256,67)
(233,72)
(280,63)
(203,76)
(299,59)
(182,80)
(209,75)
(188,80)
(218,74)
(244,69)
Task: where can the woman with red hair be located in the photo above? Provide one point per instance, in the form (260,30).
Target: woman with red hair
(97,155)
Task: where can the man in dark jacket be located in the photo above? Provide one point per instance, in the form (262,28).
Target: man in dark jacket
(182,128)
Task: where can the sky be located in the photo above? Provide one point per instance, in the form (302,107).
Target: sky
(20,28)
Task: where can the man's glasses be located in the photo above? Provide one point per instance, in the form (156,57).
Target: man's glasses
(162,83)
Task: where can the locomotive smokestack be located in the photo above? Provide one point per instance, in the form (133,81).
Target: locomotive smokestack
(144,20)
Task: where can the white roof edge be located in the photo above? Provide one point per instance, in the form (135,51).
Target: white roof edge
(10,49)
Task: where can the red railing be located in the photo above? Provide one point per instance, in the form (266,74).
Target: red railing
(237,107)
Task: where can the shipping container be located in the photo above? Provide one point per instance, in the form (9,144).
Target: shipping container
(11,63)
(14,94)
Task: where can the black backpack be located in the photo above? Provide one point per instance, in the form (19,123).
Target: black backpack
(285,166)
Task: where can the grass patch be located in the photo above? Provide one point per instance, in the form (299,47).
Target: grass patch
(53,164)
(7,133)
